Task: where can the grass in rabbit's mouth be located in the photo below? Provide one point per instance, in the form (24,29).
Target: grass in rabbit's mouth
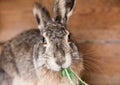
(71,74)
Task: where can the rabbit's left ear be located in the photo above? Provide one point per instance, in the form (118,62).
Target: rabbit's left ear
(63,10)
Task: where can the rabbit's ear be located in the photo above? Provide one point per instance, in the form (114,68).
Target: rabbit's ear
(42,15)
(63,10)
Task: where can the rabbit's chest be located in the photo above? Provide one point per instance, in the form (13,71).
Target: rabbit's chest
(55,79)
(63,81)
(45,80)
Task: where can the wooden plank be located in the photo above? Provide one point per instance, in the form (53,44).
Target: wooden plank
(91,20)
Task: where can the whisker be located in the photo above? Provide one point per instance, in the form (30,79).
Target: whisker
(92,64)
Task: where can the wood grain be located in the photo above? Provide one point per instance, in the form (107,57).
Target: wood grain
(92,19)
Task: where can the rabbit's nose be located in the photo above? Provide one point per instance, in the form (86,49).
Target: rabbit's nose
(60,62)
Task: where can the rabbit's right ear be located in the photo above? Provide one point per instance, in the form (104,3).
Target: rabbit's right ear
(42,15)
(63,10)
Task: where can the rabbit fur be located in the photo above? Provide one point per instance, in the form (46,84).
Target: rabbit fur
(36,56)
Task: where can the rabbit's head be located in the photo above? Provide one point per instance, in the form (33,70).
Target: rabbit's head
(60,51)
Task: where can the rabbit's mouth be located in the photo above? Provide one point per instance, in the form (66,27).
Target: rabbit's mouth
(51,64)
(54,66)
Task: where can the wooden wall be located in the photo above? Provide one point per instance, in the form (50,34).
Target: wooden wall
(92,19)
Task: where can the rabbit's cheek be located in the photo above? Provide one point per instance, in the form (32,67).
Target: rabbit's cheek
(76,56)
(51,64)
(41,61)
(68,61)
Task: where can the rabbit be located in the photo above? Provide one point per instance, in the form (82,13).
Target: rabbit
(37,56)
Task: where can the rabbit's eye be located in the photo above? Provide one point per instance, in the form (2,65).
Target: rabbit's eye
(43,40)
(69,38)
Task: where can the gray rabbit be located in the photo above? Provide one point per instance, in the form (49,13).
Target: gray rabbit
(37,56)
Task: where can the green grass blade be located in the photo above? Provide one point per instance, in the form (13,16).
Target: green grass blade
(63,73)
(79,78)
(71,74)
(71,82)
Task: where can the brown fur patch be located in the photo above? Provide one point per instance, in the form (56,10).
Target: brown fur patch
(49,77)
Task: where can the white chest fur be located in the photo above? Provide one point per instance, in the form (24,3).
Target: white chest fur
(46,80)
